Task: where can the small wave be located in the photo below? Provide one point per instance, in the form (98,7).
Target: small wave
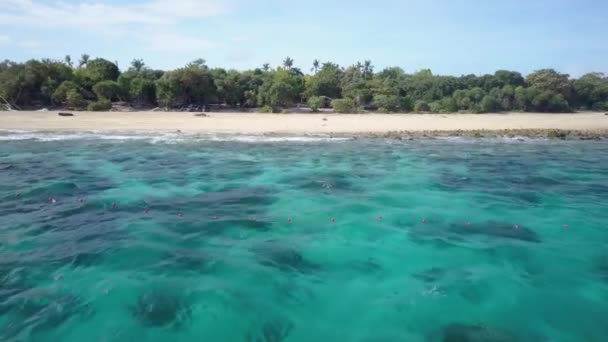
(10,135)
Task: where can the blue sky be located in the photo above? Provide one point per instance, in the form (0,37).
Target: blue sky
(448,36)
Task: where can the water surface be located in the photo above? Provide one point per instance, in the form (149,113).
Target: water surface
(149,239)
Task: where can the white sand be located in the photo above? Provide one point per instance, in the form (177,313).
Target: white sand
(248,123)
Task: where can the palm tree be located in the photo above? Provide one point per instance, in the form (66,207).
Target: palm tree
(368,69)
(84,60)
(359,66)
(138,64)
(315,66)
(266,67)
(288,63)
(68,61)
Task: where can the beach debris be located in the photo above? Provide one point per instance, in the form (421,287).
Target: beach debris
(65,114)
(201,115)
(43,110)
(325,119)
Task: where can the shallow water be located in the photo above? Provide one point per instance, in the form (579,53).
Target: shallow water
(153,239)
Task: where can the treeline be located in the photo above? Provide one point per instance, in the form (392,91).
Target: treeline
(94,84)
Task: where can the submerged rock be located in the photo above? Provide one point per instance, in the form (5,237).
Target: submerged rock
(185,259)
(602,267)
(270,331)
(438,232)
(457,332)
(498,230)
(284,258)
(157,308)
(37,310)
(327,182)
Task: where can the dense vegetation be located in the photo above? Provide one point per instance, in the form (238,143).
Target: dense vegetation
(94,83)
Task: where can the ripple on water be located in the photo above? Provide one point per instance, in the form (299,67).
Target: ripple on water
(282,256)
(311,279)
(158,307)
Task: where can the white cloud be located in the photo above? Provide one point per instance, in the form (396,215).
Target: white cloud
(58,14)
(110,19)
(4,40)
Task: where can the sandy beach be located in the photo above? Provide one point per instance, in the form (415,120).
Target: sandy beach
(326,123)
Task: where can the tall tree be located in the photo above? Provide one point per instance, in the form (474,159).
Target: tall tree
(368,69)
(266,67)
(84,60)
(315,66)
(137,64)
(68,61)
(288,63)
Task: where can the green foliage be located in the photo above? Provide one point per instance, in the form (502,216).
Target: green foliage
(139,87)
(344,105)
(142,91)
(314,103)
(270,109)
(551,81)
(326,81)
(75,100)
(98,70)
(592,91)
(435,107)
(102,105)
(421,106)
(406,104)
(490,104)
(448,105)
(283,89)
(389,103)
(355,85)
(60,95)
(33,82)
(109,90)
(190,85)
(38,83)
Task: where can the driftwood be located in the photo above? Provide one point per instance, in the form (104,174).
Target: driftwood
(65,114)
(201,115)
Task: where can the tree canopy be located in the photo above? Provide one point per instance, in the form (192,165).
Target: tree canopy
(97,81)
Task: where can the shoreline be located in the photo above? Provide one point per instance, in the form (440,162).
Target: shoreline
(582,126)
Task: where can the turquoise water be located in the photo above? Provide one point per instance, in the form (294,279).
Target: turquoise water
(131,239)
